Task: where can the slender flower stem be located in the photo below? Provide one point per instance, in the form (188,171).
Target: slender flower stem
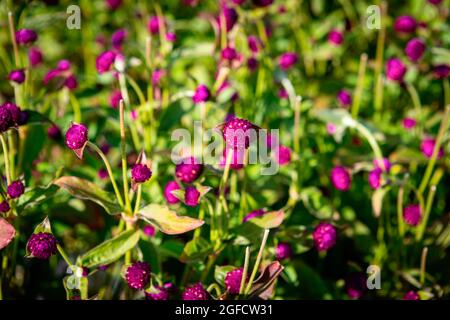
(216,288)
(416,102)
(378,99)
(297,108)
(6,157)
(223,30)
(108,168)
(423,262)
(13,39)
(359,86)
(446,92)
(126,99)
(373,143)
(423,224)
(258,261)
(65,256)
(124,158)
(400,223)
(138,199)
(245,271)
(437,146)
(12,154)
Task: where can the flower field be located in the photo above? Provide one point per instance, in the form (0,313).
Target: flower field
(224,150)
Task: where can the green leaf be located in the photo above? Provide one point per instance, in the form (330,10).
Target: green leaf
(44,226)
(35,196)
(195,250)
(220,273)
(110,250)
(84,189)
(269,220)
(167,221)
(7,233)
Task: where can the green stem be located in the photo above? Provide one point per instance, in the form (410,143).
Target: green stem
(446,92)
(65,256)
(378,100)
(373,143)
(13,40)
(138,199)
(216,288)
(76,107)
(359,86)
(400,223)
(6,157)
(258,262)
(422,226)
(108,168)
(124,158)
(297,108)
(423,262)
(12,154)
(245,271)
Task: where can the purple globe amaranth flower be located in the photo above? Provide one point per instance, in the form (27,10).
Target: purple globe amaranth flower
(287,60)
(42,245)
(253,43)
(262,3)
(5,119)
(238,133)
(102,173)
(283,251)
(335,37)
(149,230)
(191,196)
(201,94)
(252,63)
(34,56)
(26,36)
(118,37)
(171,36)
(15,113)
(324,236)
(254,213)
(154,24)
(435,2)
(158,293)
(409,123)
(356,285)
(237,158)
(15,189)
(412,214)
(53,132)
(415,48)
(171,186)
(76,136)
(375,178)
(384,165)
(140,173)
(427,147)
(138,275)
(114,99)
(395,69)
(340,178)
(195,292)
(4,206)
(188,170)
(411,295)
(63,65)
(17,76)
(230,15)
(282,93)
(238,2)
(233,280)
(71,82)
(105,61)
(344,97)
(405,24)
(157,76)
(283,155)
(229,54)
(441,71)
(113,4)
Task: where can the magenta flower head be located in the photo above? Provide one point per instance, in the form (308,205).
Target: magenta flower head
(427,147)
(114,99)
(375,178)
(395,69)
(138,275)
(441,71)
(287,60)
(140,173)
(405,24)
(195,292)
(15,113)
(17,76)
(76,136)
(356,285)
(191,196)
(63,65)
(229,54)
(102,173)
(113,4)
(153,25)
(231,17)
(238,133)
(415,49)
(409,123)
(252,64)
(4,206)
(340,178)
(237,158)
(105,61)
(53,132)
(335,37)
(283,155)
(34,56)
(238,2)
(171,186)
(254,213)
(283,251)
(188,170)
(253,43)
(233,280)
(344,98)
(71,82)
(15,189)
(412,214)
(26,36)
(42,245)
(157,76)
(384,165)
(171,36)
(201,94)
(262,3)
(158,293)
(5,119)
(118,37)
(324,236)
(411,295)
(149,230)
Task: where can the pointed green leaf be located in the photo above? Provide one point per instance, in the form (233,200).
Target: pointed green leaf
(269,220)
(195,250)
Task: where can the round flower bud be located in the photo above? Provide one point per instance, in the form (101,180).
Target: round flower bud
(411,295)
(15,189)
(140,173)
(42,245)
(427,147)
(161,293)
(324,236)
(287,60)
(26,36)
(76,136)
(188,170)
(195,292)
(191,196)
(201,94)
(356,285)
(415,49)
(138,275)
(412,214)
(171,186)
(340,178)
(4,206)
(105,61)
(405,24)
(344,98)
(283,155)
(17,76)
(335,37)
(233,280)
(283,251)
(236,133)
(395,70)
